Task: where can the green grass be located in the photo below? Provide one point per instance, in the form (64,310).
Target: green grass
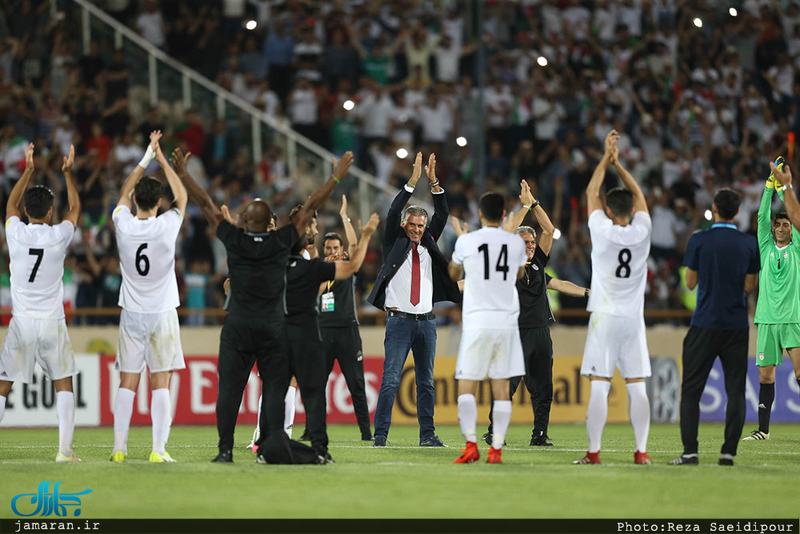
(406,481)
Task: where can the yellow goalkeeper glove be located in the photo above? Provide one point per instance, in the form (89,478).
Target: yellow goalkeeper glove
(771,181)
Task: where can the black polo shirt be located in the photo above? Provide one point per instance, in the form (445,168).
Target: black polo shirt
(303,278)
(534,305)
(257,269)
(343,304)
(722,256)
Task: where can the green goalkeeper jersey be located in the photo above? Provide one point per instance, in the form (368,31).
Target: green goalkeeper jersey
(779,279)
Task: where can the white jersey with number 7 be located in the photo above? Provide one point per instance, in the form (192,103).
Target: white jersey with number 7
(37,253)
(491,258)
(619,264)
(147,260)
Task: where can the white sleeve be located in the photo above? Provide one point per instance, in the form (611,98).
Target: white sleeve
(523,257)
(458,251)
(598,221)
(12,224)
(66,230)
(643,224)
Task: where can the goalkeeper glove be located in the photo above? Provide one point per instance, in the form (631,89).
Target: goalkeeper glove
(771,181)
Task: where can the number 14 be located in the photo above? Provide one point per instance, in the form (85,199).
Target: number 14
(502,261)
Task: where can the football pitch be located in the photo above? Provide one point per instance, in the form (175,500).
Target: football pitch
(406,481)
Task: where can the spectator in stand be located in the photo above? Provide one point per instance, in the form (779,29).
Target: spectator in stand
(278,54)
(150,23)
(190,131)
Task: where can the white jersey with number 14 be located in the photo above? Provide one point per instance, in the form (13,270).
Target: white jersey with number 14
(147,260)
(491,258)
(619,264)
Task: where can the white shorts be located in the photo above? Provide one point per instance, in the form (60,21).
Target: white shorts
(616,341)
(489,352)
(149,338)
(28,341)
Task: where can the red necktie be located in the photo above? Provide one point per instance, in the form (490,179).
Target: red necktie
(414,275)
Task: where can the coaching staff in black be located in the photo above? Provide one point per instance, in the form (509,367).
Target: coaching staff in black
(536,315)
(722,263)
(254,329)
(338,322)
(413,277)
(306,357)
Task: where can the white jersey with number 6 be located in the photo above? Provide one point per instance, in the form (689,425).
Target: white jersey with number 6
(491,258)
(619,264)
(37,253)
(147,260)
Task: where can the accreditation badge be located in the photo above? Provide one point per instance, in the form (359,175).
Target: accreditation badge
(327,302)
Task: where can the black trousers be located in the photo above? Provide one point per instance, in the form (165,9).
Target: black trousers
(537,348)
(700,347)
(344,344)
(246,340)
(307,364)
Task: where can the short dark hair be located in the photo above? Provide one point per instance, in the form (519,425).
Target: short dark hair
(727,202)
(332,236)
(147,193)
(492,206)
(38,201)
(620,201)
(781,215)
(296,210)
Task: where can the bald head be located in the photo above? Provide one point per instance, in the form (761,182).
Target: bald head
(257,216)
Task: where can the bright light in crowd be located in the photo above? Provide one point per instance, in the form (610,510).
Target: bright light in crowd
(708,215)
(557,234)
(348,105)
(542,61)
(251,25)
(461,141)
(402,153)
(733,12)
(698,22)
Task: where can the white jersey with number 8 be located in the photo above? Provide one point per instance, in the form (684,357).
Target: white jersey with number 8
(619,264)
(37,253)
(147,260)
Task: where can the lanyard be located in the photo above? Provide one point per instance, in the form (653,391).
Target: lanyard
(330,285)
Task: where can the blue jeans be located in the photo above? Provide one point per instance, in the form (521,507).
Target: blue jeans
(403,335)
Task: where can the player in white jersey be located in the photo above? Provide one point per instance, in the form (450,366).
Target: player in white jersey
(491,260)
(616,337)
(38,329)
(149,333)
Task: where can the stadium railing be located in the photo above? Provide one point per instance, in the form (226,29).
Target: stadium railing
(165,79)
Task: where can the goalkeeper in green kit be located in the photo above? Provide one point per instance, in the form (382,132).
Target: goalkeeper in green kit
(778,308)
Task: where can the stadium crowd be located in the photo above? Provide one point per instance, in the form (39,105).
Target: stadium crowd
(701,92)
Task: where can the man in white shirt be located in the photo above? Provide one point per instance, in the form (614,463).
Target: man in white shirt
(38,329)
(149,333)
(491,260)
(412,278)
(616,337)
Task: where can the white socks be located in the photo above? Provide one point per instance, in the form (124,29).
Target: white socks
(468,417)
(160,413)
(501,413)
(123,409)
(2,407)
(639,409)
(65,406)
(288,410)
(597,413)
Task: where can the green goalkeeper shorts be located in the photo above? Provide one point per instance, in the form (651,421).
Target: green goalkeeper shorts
(772,339)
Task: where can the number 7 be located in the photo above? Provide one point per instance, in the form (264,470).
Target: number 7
(39,253)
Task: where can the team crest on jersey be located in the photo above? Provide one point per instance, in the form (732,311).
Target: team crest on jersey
(761,356)
(535,267)
(785,254)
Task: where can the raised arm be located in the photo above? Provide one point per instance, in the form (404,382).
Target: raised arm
(304,216)
(349,229)
(784,177)
(593,201)
(200,197)
(14,199)
(639,201)
(440,208)
(349,268)
(395,214)
(545,241)
(526,198)
(126,191)
(73,198)
(178,190)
